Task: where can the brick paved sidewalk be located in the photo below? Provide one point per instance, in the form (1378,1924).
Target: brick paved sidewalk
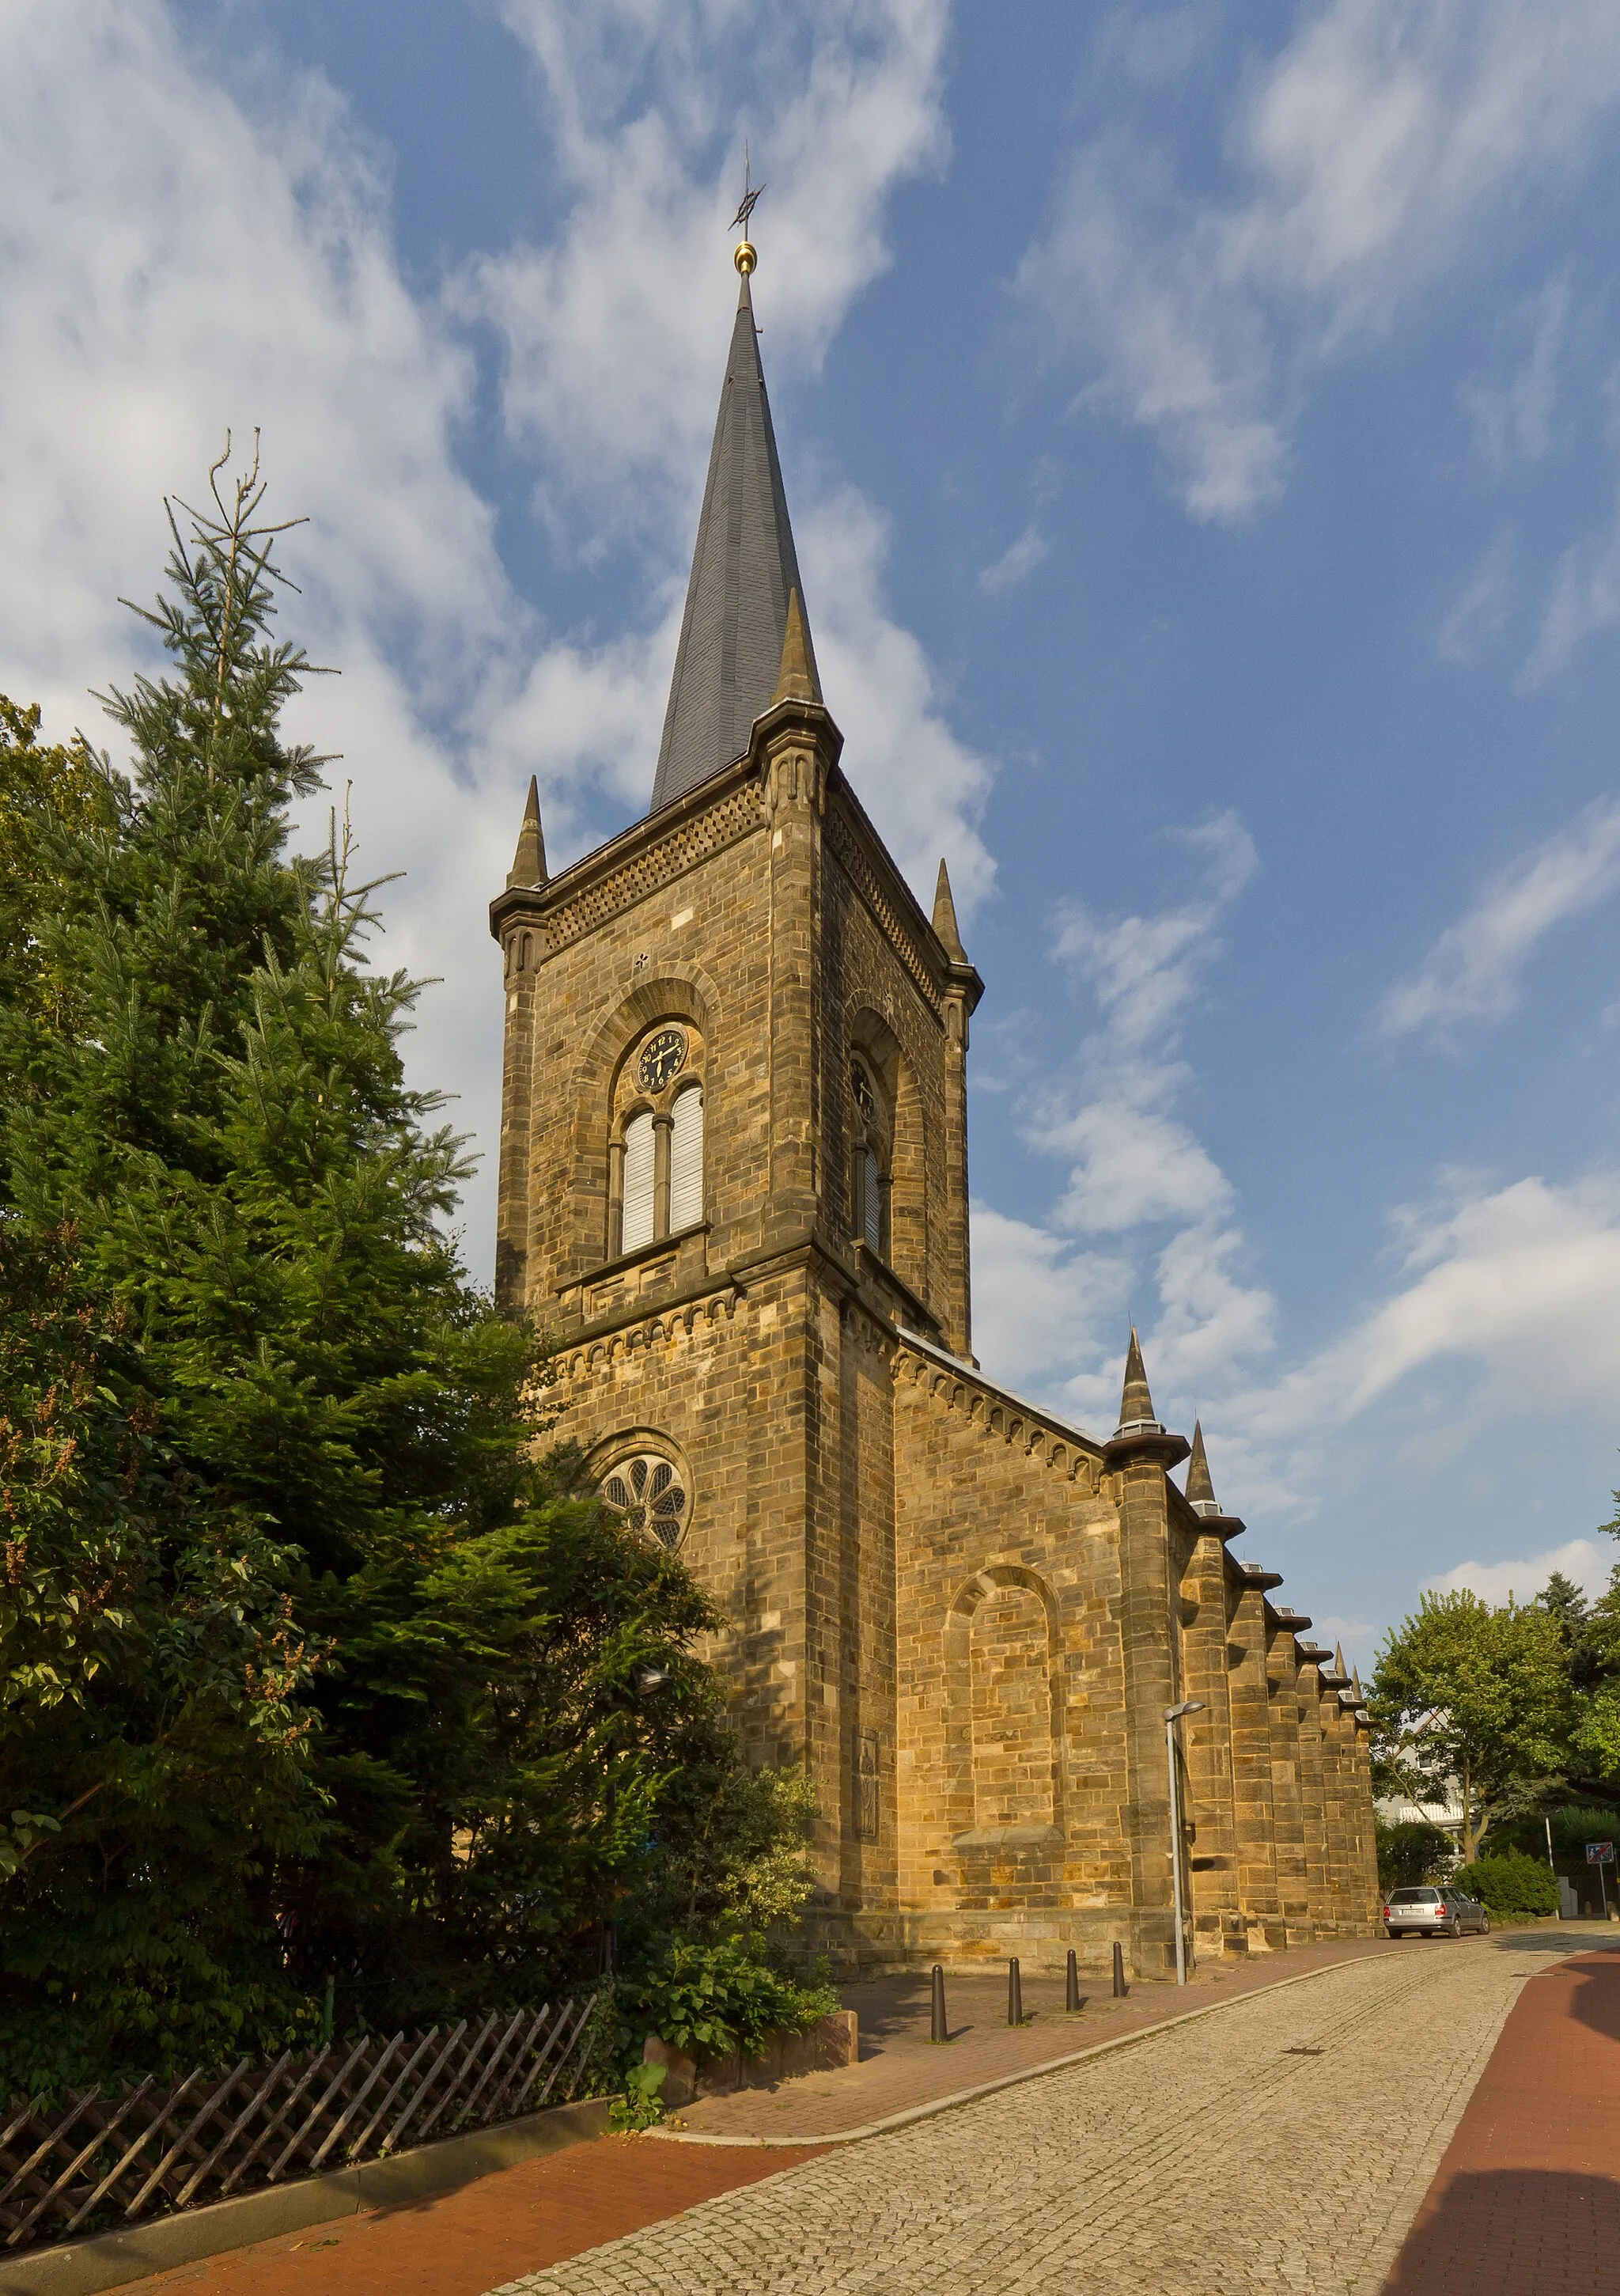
(1526,2200)
(458,2243)
(901,2071)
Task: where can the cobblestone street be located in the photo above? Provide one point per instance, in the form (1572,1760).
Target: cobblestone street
(1286,2142)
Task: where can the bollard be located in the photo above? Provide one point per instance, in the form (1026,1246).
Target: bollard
(1119,1983)
(1015,1995)
(941,2031)
(1071,1997)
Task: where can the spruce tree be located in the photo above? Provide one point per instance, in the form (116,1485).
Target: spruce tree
(363,1699)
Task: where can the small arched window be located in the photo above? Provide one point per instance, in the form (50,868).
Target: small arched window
(638,1181)
(867,1178)
(686,1161)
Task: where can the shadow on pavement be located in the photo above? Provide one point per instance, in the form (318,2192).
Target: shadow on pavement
(1514,2232)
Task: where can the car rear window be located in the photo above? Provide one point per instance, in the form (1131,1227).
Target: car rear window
(1414,1897)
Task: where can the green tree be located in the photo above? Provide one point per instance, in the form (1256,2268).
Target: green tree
(152,1749)
(1475,1700)
(44,788)
(1412,1851)
(323,1673)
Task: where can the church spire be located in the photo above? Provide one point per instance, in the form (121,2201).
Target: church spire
(528,862)
(744,575)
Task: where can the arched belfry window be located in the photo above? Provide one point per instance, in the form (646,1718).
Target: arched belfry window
(869,1161)
(655,1140)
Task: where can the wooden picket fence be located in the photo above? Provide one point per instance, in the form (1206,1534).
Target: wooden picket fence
(114,2156)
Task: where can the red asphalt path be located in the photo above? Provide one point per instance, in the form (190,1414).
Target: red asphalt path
(1527,2200)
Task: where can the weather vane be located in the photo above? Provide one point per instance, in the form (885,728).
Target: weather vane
(745,259)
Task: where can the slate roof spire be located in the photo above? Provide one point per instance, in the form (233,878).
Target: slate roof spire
(1201,1490)
(744,571)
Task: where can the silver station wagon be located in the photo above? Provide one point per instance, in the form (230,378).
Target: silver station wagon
(1433,1913)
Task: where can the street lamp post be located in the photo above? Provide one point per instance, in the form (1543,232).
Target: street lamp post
(1173,1715)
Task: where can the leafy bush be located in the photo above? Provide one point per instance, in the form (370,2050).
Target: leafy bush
(640,2104)
(1413,1851)
(1510,1883)
(711,1998)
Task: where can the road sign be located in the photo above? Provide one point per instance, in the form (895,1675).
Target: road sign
(1600,1853)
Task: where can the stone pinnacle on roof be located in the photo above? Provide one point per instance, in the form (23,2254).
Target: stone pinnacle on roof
(944,917)
(1338,1660)
(1201,1490)
(528,862)
(796,679)
(1135,1404)
(744,573)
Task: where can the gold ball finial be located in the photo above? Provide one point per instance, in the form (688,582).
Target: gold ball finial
(745,258)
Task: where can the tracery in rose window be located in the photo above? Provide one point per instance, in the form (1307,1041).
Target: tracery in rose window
(651,1494)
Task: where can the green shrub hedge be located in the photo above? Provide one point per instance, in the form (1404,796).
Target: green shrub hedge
(1510,1883)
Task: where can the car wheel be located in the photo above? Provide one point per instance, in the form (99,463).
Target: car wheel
(1484,1926)
(1455,1930)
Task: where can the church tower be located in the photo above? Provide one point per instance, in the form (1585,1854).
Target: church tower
(733,1149)
(733,1189)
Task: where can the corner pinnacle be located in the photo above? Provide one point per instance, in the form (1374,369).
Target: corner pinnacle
(528,862)
(1201,1490)
(796,679)
(945,918)
(1135,1403)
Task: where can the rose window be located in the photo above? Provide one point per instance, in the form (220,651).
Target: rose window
(649,1496)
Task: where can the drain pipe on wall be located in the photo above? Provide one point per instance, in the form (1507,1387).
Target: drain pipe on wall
(1173,1715)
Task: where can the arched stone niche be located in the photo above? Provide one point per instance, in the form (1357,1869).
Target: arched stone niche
(1005,1710)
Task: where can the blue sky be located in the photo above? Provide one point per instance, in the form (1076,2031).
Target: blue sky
(1202,431)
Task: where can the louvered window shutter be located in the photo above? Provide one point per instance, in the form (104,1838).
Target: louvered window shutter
(638,1182)
(686,1161)
(871,1203)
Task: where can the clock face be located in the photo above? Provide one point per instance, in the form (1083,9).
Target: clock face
(865,1098)
(663,1057)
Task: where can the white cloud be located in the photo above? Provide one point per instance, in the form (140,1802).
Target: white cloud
(1472,973)
(1133,1162)
(614,332)
(1580,1559)
(1482,604)
(1584,601)
(173,262)
(1144,969)
(1039,1306)
(1513,419)
(924,789)
(1015,563)
(1516,1287)
(1134,1165)
(1376,149)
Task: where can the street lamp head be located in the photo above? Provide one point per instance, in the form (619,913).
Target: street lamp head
(1187,1706)
(649,1678)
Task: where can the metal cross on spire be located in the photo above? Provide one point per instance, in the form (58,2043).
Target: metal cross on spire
(739,221)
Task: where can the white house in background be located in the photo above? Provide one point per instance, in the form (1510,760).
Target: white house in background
(1396,1810)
